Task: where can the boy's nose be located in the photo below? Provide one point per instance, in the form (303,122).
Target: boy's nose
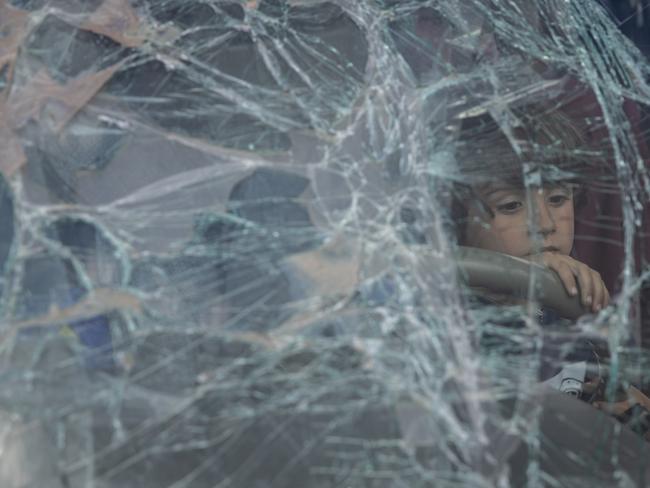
(545,222)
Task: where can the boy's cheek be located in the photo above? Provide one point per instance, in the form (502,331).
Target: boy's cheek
(511,240)
(515,241)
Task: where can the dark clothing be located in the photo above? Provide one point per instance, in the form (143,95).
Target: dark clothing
(503,332)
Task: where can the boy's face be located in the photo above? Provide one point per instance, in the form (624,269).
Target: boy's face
(522,224)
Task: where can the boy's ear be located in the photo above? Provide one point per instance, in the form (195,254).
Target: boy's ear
(482,207)
(464,198)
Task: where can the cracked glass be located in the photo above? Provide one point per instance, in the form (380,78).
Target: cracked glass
(274,243)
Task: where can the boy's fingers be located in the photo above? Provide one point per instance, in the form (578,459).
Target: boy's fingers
(567,277)
(586,285)
(598,292)
(593,292)
(605,294)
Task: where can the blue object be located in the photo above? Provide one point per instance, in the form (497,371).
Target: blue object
(94,334)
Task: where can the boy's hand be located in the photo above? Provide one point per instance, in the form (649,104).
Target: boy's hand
(593,292)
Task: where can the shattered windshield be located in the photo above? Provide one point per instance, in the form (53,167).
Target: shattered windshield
(305,243)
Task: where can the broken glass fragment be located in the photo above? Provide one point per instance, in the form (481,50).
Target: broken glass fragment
(238,243)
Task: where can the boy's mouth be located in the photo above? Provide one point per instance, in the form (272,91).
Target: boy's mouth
(544,249)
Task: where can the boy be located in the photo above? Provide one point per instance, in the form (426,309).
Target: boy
(519,193)
(538,226)
(499,212)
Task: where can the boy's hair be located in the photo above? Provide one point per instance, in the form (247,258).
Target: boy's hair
(535,146)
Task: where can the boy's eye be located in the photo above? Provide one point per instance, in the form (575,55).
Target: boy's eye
(558,200)
(509,207)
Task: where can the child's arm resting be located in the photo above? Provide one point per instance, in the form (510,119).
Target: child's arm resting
(574,275)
